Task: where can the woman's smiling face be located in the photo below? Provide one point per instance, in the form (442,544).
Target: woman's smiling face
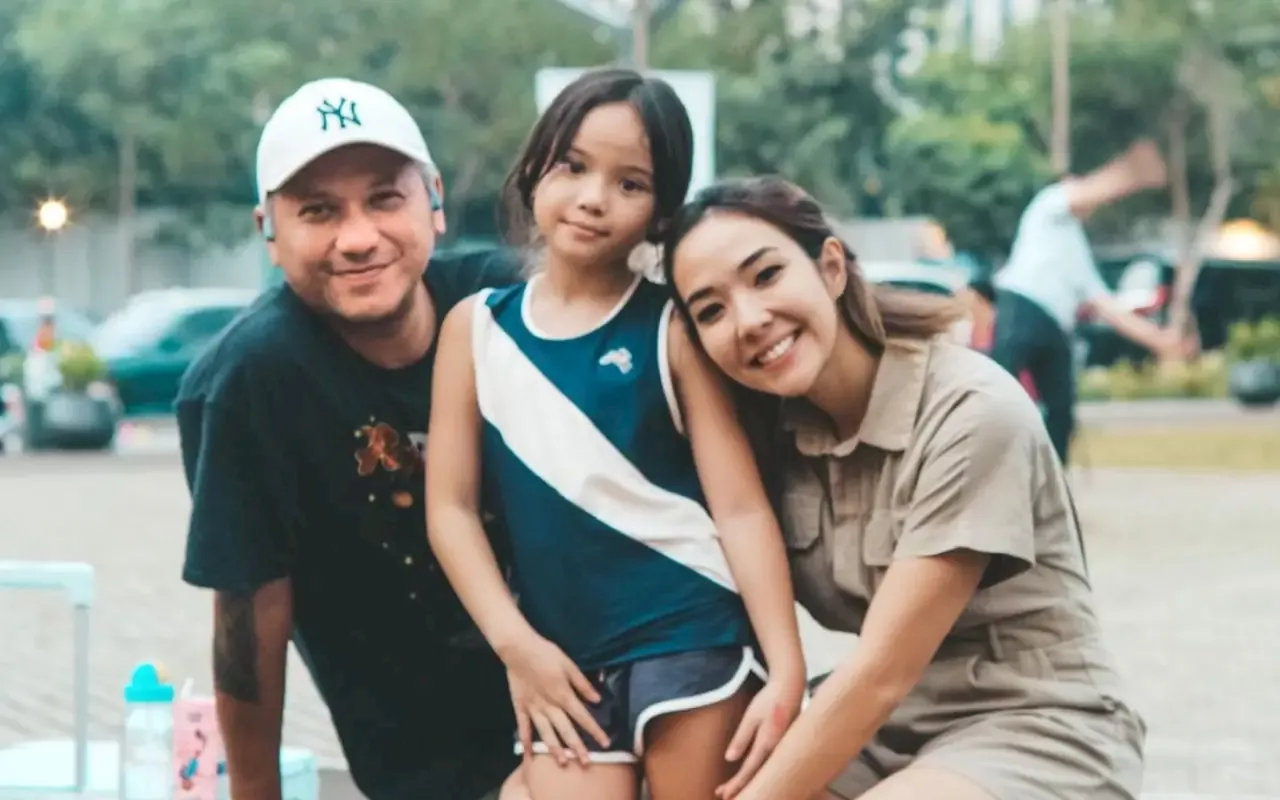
(764,310)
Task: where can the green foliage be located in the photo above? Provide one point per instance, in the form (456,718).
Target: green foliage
(972,174)
(1254,341)
(80,366)
(192,83)
(810,106)
(1125,58)
(11,367)
(962,141)
(1204,376)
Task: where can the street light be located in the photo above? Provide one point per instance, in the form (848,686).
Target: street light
(52,215)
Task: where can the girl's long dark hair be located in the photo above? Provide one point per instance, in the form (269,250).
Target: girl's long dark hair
(666,125)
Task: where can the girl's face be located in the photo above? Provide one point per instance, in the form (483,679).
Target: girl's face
(596,204)
(763,309)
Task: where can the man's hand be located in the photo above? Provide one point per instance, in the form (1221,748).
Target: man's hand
(1173,346)
(1147,165)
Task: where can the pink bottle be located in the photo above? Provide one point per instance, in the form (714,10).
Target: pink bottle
(197,748)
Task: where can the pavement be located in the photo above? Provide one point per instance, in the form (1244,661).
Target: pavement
(1184,568)
(1173,412)
(152,434)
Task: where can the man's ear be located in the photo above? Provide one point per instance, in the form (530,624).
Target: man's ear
(435,194)
(262,220)
(833,264)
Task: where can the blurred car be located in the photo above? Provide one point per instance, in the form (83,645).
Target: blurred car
(48,415)
(20,319)
(1226,291)
(1142,285)
(150,341)
(947,279)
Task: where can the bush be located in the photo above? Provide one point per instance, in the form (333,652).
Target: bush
(11,368)
(80,366)
(1204,376)
(1254,341)
(1266,336)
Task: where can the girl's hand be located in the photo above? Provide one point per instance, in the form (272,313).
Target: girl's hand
(547,690)
(767,717)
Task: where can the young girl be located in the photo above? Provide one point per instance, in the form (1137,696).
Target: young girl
(570,398)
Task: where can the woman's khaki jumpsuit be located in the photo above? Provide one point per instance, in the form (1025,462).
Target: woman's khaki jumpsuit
(1022,697)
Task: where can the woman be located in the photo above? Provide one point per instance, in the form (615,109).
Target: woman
(924,510)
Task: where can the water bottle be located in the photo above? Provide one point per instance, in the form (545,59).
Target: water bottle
(146,751)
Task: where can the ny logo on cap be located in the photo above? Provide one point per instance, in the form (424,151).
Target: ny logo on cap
(344,113)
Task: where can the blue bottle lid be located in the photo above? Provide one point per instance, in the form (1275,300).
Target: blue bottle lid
(148,685)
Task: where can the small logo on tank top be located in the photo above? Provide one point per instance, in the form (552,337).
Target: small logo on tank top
(620,358)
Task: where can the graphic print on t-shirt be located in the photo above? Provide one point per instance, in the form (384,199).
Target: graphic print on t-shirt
(383,448)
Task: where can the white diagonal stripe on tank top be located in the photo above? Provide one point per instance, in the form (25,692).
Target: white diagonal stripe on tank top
(587,470)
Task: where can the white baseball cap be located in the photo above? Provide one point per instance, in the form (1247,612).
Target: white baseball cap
(329,113)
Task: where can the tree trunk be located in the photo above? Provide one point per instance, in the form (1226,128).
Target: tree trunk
(640,19)
(1194,241)
(1180,207)
(1060,31)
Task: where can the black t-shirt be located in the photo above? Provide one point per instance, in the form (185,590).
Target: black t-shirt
(305,460)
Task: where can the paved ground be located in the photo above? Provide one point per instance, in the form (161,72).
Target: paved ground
(157,434)
(1174,412)
(1185,568)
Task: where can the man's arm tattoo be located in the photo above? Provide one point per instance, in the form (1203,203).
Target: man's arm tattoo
(235,648)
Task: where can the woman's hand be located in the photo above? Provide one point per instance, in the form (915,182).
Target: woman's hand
(767,718)
(547,690)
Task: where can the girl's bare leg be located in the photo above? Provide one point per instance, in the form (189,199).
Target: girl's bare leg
(684,751)
(547,780)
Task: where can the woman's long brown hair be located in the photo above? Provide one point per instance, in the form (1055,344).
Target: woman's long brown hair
(874,314)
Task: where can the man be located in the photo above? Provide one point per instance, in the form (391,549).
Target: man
(302,434)
(1051,275)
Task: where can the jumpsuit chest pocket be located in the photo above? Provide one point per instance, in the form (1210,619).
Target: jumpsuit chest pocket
(804,509)
(863,549)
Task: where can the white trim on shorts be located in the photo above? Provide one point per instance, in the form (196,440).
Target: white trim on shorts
(748,667)
(601,757)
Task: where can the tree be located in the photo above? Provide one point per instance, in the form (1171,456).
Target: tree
(1125,84)
(167,85)
(810,104)
(39,130)
(970,173)
(182,89)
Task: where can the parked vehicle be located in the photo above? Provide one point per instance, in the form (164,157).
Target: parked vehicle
(1226,292)
(150,341)
(43,405)
(930,278)
(20,319)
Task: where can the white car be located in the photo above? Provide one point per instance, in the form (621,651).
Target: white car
(945,279)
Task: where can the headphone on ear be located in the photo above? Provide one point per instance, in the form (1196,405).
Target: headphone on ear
(268,232)
(434,197)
